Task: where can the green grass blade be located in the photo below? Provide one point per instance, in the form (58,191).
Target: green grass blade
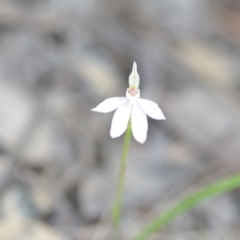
(188,203)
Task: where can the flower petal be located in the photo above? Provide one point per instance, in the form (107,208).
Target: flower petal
(139,123)
(120,119)
(110,104)
(151,109)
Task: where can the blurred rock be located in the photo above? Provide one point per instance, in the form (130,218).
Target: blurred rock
(27,230)
(41,145)
(207,63)
(16,204)
(101,77)
(42,200)
(16,110)
(5,167)
(95,186)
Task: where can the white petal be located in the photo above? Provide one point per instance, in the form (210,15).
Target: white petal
(151,109)
(110,104)
(139,123)
(120,119)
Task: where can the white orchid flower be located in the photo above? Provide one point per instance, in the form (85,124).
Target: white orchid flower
(131,107)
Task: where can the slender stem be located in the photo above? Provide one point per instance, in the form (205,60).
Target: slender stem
(117,207)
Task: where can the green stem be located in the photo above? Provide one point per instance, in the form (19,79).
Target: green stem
(117,207)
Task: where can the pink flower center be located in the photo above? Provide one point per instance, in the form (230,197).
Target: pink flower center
(133,91)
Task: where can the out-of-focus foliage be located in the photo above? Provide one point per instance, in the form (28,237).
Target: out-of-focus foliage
(212,190)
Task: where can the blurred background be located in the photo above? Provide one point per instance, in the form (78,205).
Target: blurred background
(58,164)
